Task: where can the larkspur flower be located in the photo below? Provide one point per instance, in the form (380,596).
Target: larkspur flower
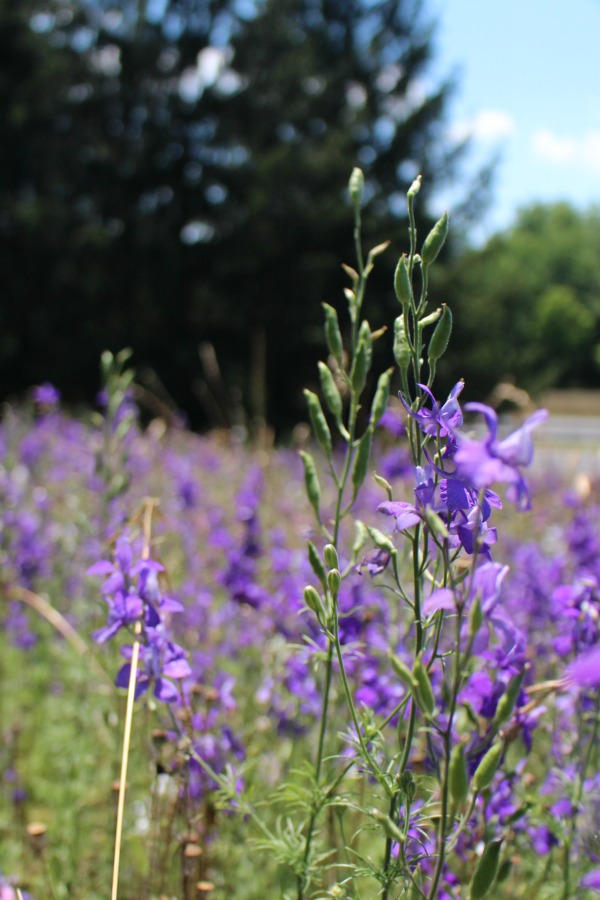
(483,463)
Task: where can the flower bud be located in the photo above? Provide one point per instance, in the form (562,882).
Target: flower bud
(383,483)
(313,601)
(356,186)
(334,581)
(415,187)
(331,557)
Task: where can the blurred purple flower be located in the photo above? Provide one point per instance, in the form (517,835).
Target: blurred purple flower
(46,395)
(584,671)
(591,881)
(482,463)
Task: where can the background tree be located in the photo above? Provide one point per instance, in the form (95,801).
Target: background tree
(175,173)
(527,305)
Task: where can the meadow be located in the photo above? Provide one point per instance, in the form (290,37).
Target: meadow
(353,671)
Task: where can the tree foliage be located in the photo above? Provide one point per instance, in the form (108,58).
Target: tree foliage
(174,173)
(528,303)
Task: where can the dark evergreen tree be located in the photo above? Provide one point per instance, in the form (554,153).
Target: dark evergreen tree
(174,173)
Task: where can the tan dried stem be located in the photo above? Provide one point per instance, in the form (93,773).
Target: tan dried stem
(147,512)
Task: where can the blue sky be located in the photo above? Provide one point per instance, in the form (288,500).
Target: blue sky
(528,75)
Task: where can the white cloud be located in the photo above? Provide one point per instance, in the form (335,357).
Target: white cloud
(583,151)
(488,126)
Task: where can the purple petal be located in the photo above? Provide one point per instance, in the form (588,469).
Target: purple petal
(584,671)
(591,880)
(102,567)
(442,598)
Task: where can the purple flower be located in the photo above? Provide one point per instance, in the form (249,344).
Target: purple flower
(46,395)
(584,671)
(591,880)
(481,463)
(441,419)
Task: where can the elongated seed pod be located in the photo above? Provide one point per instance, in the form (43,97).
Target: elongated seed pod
(441,335)
(486,870)
(485,771)
(458,776)
(434,241)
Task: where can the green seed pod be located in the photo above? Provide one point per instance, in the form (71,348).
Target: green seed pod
(317,566)
(504,871)
(383,483)
(441,335)
(381,540)
(486,870)
(330,391)
(475,618)
(458,775)
(313,601)
(414,188)
(318,421)
(402,353)
(402,284)
(360,537)
(430,319)
(507,701)
(356,186)
(361,463)
(311,482)
(408,785)
(485,771)
(334,581)
(362,359)
(380,399)
(331,557)
(425,697)
(435,523)
(390,828)
(434,241)
(403,672)
(332,333)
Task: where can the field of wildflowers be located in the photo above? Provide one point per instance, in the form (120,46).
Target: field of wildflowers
(367,669)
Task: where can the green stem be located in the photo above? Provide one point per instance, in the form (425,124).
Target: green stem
(317,803)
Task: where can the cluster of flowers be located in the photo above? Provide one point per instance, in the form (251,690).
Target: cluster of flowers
(135,601)
(242,583)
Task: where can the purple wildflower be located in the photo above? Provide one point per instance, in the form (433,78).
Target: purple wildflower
(441,419)
(584,671)
(46,395)
(591,881)
(482,463)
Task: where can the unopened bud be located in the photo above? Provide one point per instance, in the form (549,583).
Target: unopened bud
(330,556)
(356,186)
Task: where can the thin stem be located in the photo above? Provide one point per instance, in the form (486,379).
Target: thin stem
(317,806)
(124,762)
(149,506)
